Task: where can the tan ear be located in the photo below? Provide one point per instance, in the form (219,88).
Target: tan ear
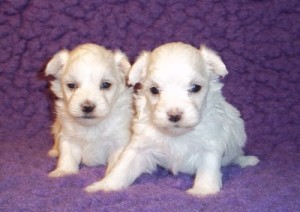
(214,61)
(56,64)
(139,69)
(122,62)
(54,68)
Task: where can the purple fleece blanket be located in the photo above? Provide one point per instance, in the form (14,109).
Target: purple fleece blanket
(259,43)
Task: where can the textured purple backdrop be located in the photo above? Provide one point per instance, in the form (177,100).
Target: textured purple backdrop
(260,44)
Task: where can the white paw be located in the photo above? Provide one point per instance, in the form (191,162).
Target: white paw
(202,192)
(53,153)
(252,160)
(245,161)
(102,185)
(99,186)
(95,187)
(61,173)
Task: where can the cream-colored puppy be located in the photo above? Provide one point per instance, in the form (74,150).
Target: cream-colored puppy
(93,107)
(183,122)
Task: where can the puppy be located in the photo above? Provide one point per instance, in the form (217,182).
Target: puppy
(183,122)
(93,107)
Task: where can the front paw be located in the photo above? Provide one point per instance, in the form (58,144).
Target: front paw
(98,186)
(202,192)
(53,153)
(102,185)
(61,173)
(206,187)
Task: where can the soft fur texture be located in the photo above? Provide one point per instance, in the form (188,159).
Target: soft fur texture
(93,104)
(183,122)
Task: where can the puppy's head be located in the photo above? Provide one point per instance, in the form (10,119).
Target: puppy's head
(89,80)
(175,81)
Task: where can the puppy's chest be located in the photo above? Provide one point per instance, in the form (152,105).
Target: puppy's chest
(181,157)
(91,140)
(95,147)
(87,136)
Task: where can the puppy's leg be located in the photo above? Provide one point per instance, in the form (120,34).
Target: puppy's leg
(131,164)
(244,161)
(56,128)
(53,152)
(208,179)
(114,157)
(68,161)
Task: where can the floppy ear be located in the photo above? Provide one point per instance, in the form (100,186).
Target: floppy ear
(122,62)
(56,64)
(139,69)
(54,68)
(214,62)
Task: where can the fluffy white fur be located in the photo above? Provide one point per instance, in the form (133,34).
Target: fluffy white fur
(93,107)
(183,122)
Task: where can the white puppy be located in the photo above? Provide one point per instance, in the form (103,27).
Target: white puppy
(93,107)
(183,122)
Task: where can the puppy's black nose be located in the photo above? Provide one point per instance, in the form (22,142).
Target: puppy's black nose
(174,118)
(88,107)
(174,115)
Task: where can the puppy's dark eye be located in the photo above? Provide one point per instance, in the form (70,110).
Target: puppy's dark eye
(195,88)
(72,86)
(154,90)
(105,85)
